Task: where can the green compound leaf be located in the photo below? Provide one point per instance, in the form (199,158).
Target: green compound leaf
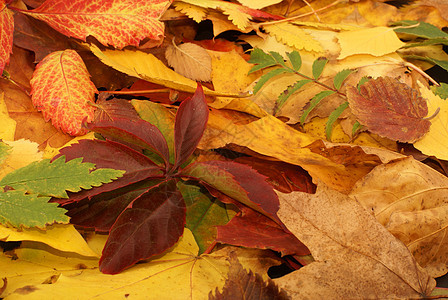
(53,179)
(263,79)
(278,58)
(4,151)
(295,59)
(314,102)
(283,97)
(261,59)
(318,67)
(333,117)
(340,77)
(441,91)
(28,210)
(420,29)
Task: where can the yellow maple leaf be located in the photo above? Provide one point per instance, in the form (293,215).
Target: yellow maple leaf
(376,41)
(435,141)
(7,125)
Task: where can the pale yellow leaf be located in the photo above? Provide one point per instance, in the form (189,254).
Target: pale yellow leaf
(376,41)
(435,141)
(293,36)
(257,4)
(61,237)
(329,26)
(7,125)
(146,66)
(197,13)
(50,152)
(22,153)
(190,60)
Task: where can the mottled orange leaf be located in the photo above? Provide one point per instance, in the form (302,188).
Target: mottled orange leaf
(6,29)
(116,23)
(61,89)
(390,108)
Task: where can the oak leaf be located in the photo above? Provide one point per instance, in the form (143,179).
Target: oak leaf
(7,29)
(345,241)
(190,60)
(390,108)
(61,89)
(116,23)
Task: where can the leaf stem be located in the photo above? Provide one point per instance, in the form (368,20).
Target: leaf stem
(137,92)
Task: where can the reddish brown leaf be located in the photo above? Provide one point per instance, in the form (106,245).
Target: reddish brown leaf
(390,108)
(151,224)
(254,230)
(116,23)
(6,29)
(61,89)
(114,109)
(190,123)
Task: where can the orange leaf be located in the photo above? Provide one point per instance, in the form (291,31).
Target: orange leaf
(117,23)
(390,108)
(6,28)
(61,89)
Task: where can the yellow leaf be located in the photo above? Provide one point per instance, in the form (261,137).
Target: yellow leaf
(293,36)
(50,152)
(257,4)
(376,41)
(435,141)
(146,66)
(197,13)
(7,125)
(61,237)
(190,60)
(23,152)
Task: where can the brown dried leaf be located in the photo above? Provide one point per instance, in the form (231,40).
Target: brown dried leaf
(390,108)
(190,60)
(410,199)
(356,257)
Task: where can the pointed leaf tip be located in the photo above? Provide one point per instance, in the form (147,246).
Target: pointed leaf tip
(190,123)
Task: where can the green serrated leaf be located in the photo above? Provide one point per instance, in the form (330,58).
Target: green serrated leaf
(441,91)
(314,102)
(261,59)
(340,77)
(4,151)
(420,29)
(204,213)
(278,58)
(428,42)
(441,63)
(361,82)
(263,79)
(28,210)
(55,178)
(318,67)
(283,97)
(333,117)
(295,59)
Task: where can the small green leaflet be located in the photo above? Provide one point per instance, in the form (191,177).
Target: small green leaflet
(278,58)
(441,63)
(420,29)
(28,210)
(283,97)
(333,117)
(53,179)
(340,77)
(318,67)
(356,127)
(314,102)
(441,91)
(263,79)
(261,59)
(295,59)
(4,151)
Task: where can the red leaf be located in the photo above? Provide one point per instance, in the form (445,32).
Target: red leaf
(190,123)
(6,29)
(254,230)
(114,109)
(61,89)
(390,108)
(151,224)
(109,154)
(239,182)
(135,132)
(116,23)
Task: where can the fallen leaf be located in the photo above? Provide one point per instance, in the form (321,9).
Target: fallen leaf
(7,124)
(390,108)
(435,141)
(113,23)
(440,5)
(190,60)
(7,29)
(22,153)
(409,199)
(62,90)
(346,241)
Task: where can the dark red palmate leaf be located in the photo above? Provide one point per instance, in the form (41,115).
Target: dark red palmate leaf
(190,123)
(135,132)
(109,154)
(151,224)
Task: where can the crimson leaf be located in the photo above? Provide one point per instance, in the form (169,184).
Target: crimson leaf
(151,224)
(191,119)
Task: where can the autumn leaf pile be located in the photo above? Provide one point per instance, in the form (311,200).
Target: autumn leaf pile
(178,149)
